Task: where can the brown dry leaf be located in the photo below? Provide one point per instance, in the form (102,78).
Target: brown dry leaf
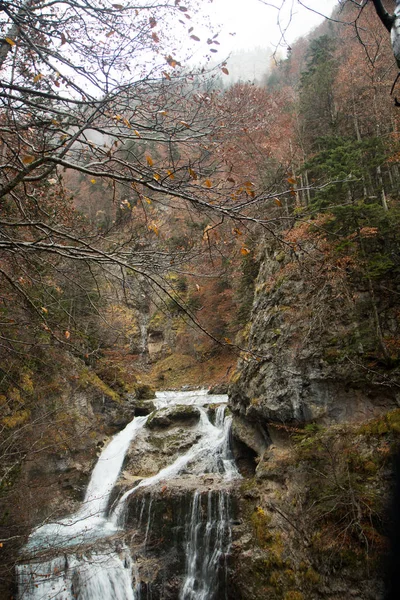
(244,251)
(10,41)
(28,159)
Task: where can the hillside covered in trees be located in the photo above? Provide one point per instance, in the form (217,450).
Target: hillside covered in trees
(161,230)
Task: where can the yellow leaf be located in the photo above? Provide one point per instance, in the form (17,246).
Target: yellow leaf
(28,159)
(149,161)
(10,41)
(147,200)
(157,176)
(67,335)
(205,232)
(167,76)
(92,181)
(37,77)
(208,183)
(1,544)
(192,173)
(277,202)
(153,227)
(228,340)
(170,174)
(244,251)
(185,124)
(292,180)
(44,309)
(135,131)
(237,231)
(117,117)
(126,122)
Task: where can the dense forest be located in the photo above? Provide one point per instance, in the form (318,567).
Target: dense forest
(162,228)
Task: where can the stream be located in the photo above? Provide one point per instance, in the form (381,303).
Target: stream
(86,556)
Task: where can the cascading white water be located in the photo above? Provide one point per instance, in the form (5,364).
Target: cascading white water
(208,541)
(93,576)
(106,574)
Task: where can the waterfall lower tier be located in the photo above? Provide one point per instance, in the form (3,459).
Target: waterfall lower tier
(101,574)
(208,543)
(181,539)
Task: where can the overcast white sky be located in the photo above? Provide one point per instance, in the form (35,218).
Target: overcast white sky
(255,24)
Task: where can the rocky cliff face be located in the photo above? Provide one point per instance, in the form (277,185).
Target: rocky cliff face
(316,353)
(316,403)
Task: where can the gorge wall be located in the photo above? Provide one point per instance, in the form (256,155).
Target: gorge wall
(315,401)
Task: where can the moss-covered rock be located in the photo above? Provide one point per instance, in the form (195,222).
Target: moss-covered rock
(169,416)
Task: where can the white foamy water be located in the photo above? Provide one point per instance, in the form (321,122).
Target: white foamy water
(107,575)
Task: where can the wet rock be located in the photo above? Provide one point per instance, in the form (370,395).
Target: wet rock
(166,417)
(250,434)
(218,388)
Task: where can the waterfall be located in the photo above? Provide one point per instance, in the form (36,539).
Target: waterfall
(208,543)
(93,575)
(89,560)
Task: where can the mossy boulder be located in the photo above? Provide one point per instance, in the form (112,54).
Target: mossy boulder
(143,391)
(169,416)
